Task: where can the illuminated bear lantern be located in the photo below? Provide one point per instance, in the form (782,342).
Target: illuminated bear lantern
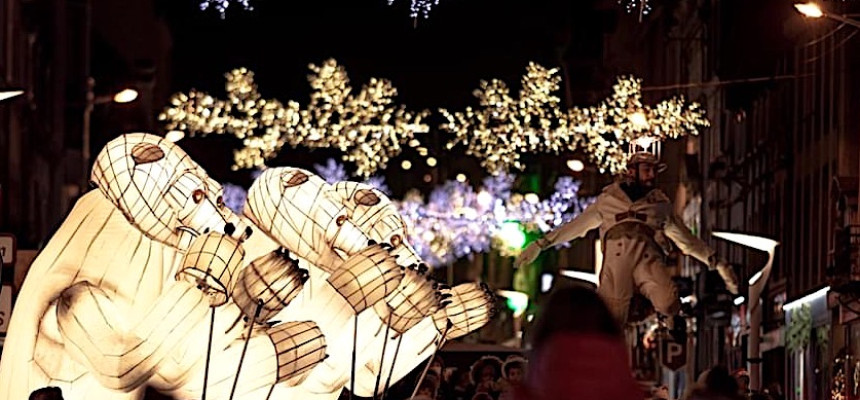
(298,209)
(152,281)
(102,314)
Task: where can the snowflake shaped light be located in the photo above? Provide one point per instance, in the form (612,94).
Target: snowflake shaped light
(504,127)
(621,124)
(367,126)
(420,7)
(222,5)
(643,7)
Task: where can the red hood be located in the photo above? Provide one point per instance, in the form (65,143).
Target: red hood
(582,367)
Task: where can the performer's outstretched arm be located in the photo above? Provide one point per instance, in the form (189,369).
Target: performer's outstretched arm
(576,228)
(688,243)
(697,248)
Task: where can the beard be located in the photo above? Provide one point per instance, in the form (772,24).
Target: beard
(649,183)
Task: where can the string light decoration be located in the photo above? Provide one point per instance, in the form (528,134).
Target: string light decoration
(505,127)
(367,126)
(222,5)
(420,7)
(457,221)
(643,7)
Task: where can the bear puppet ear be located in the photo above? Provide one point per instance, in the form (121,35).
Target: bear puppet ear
(145,153)
(366,197)
(293,178)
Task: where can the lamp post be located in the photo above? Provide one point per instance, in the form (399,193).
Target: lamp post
(756,287)
(812,10)
(124,96)
(10,93)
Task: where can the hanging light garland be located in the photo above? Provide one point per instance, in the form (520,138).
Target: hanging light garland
(222,5)
(416,8)
(642,7)
(504,127)
(366,126)
(371,130)
(419,7)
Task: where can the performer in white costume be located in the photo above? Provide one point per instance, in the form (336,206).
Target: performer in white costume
(637,228)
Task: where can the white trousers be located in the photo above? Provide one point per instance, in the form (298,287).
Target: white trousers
(634,263)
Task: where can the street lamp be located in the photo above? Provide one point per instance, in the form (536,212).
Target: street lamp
(756,286)
(124,96)
(812,10)
(8,94)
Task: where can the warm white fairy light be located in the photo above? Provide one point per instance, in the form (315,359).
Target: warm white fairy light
(505,127)
(222,5)
(370,129)
(420,7)
(641,7)
(366,126)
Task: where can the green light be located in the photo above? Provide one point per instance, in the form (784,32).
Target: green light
(512,235)
(516,301)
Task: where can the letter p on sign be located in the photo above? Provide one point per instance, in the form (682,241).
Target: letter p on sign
(674,355)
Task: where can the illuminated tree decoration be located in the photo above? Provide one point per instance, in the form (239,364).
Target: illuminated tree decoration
(505,127)
(222,5)
(366,126)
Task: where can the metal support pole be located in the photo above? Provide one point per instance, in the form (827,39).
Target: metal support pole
(754,350)
(85,138)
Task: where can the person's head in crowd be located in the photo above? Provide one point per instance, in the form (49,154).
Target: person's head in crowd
(715,384)
(660,392)
(743,379)
(720,382)
(462,379)
(578,351)
(438,366)
(482,396)
(486,370)
(429,386)
(573,309)
(514,369)
(774,389)
(47,393)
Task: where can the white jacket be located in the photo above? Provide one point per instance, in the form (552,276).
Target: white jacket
(655,210)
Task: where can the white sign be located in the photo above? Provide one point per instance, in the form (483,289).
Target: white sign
(5,308)
(7,248)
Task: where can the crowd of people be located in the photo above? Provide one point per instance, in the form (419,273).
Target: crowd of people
(578,352)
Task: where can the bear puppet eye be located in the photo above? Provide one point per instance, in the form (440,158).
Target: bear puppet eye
(220,201)
(293,178)
(198,196)
(396,240)
(366,197)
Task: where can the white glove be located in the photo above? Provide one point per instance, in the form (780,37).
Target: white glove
(528,255)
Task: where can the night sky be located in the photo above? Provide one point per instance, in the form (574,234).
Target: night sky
(436,64)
